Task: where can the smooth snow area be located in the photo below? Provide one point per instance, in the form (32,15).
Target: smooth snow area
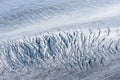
(31,17)
(60,40)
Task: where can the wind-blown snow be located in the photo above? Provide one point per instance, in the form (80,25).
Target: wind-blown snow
(31,17)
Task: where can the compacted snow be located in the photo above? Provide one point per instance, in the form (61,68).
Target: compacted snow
(59,40)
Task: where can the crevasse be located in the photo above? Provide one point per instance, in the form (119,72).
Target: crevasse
(70,50)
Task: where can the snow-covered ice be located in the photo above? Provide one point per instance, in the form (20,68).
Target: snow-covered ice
(59,39)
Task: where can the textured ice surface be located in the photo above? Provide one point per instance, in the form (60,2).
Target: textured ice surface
(59,40)
(61,56)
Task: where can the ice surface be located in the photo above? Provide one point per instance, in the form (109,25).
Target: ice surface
(18,18)
(59,39)
(60,56)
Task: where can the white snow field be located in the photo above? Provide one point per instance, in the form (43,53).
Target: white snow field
(60,40)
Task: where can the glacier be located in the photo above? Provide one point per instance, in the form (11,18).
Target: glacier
(59,40)
(59,56)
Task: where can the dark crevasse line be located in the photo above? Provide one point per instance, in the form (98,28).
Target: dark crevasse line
(70,50)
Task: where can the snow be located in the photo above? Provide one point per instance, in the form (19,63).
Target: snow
(59,40)
(39,16)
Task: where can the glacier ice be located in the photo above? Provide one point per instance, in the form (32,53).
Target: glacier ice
(58,55)
(59,39)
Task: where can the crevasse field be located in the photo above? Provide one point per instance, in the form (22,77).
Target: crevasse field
(59,39)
